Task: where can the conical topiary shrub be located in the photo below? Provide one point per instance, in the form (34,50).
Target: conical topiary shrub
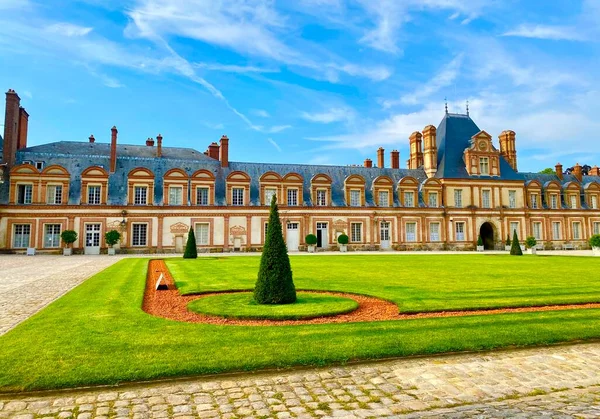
(274,284)
(191,252)
(515,248)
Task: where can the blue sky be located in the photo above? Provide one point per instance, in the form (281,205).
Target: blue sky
(307,81)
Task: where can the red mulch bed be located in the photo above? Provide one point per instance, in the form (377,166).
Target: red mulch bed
(169,304)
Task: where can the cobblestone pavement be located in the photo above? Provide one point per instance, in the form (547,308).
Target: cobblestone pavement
(560,381)
(29,283)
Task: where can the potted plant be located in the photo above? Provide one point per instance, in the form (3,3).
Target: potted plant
(112,237)
(530,243)
(311,241)
(480,247)
(69,237)
(595,243)
(508,243)
(343,241)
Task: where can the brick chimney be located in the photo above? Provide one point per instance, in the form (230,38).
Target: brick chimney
(507,147)
(159,145)
(380,157)
(92,139)
(595,171)
(113,149)
(430,150)
(224,151)
(559,170)
(577,172)
(368,163)
(150,142)
(395,159)
(416,152)
(23,125)
(213,151)
(11,127)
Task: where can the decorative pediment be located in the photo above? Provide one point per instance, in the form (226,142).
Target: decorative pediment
(179,228)
(340,225)
(321,179)
(482,142)
(237,231)
(293,178)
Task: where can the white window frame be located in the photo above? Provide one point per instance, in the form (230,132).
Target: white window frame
(202,198)
(411,232)
(573,199)
(596,227)
(20,231)
(175,195)
(409,199)
(486,200)
(237,196)
(433,199)
(553,201)
(136,238)
(536,228)
(556,227)
(576,226)
(594,201)
(356,232)
(269,193)
(458,198)
(514,226)
(484,166)
(54,236)
(383,198)
(140,195)
(512,199)
(321,197)
(94,193)
(54,194)
(27,193)
(202,237)
(534,201)
(460,231)
(292,197)
(355,200)
(434,233)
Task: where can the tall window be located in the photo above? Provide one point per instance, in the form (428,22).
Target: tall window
(321,197)
(94,194)
(54,194)
(485,199)
(24,194)
(596,228)
(512,199)
(458,198)
(269,194)
(52,235)
(21,235)
(202,234)
(434,232)
(537,230)
(534,201)
(514,226)
(433,199)
(556,231)
(140,195)
(553,201)
(573,201)
(576,231)
(484,166)
(354,198)
(460,231)
(292,196)
(356,232)
(201,196)
(594,202)
(175,195)
(384,198)
(237,196)
(411,232)
(139,235)
(409,199)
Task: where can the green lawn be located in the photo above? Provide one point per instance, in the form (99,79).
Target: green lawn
(415,282)
(243,306)
(98,334)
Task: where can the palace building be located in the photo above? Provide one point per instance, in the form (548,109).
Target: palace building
(458,185)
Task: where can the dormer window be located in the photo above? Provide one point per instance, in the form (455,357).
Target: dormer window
(553,201)
(594,202)
(484,166)
(384,200)
(354,198)
(24,194)
(140,195)
(409,199)
(269,194)
(54,194)
(573,201)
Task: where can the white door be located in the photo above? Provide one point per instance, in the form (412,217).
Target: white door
(384,235)
(92,239)
(178,244)
(322,236)
(293,236)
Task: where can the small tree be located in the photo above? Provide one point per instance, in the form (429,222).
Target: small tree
(69,237)
(508,239)
(191,252)
(515,248)
(479,241)
(112,237)
(342,239)
(595,240)
(274,284)
(530,242)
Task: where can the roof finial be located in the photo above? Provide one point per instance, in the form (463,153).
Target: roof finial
(446,104)
(467,107)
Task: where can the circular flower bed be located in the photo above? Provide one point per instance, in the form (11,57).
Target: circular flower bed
(241,305)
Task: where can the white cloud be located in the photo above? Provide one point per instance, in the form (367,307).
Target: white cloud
(329,116)
(260,112)
(276,129)
(234,68)
(565,33)
(274,144)
(68,29)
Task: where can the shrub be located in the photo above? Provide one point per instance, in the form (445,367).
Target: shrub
(69,236)
(112,237)
(508,239)
(342,239)
(479,241)
(595,240)
(530,242)
(274,284)
(515,247)
(191,251)
(311,239)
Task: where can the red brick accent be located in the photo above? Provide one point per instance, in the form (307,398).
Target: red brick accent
(23,125)
(368,163)
(92,139)
(595,171)
(380,157)
(577,172)
(159,145)
(559,170)
(213,151)
(395,159)
(113,149)
(416,151)
(224,151)
(11,127)
(150,142)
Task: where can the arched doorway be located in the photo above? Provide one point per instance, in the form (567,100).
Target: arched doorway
(487,235)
